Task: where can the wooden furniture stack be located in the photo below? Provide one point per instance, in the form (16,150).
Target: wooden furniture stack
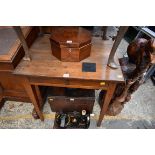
(11,87)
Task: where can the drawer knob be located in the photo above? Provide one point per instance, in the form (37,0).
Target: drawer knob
(102,83)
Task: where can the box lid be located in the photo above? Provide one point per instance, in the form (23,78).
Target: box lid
(71,36)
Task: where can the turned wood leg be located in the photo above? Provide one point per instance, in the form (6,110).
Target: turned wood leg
(108,97)
(38,93)
(31,91)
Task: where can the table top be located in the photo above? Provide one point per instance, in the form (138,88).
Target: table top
(7,37)
(44,64)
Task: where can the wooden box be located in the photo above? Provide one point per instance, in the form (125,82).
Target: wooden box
(68,100)
(70,44)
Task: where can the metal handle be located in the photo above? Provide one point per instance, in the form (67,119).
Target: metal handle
(102,83)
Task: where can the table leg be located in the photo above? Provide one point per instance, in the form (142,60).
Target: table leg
(31,91)
(40,99)
(108,97)
(1,97)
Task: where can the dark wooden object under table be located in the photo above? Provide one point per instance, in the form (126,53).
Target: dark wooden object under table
(71,99)
(46,70)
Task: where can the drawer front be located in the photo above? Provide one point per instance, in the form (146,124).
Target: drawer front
(88,84)
(70,54)
(70,83)
(59,104)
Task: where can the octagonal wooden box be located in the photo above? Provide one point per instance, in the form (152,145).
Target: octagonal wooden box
(70,44)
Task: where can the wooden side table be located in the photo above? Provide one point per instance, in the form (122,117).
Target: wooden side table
(45,70)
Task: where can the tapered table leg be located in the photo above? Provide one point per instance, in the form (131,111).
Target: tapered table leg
(41,103)
(31,91)
(1,96)
(108,97)
(2,100)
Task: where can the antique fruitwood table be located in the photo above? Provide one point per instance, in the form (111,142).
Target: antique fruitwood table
(46,70)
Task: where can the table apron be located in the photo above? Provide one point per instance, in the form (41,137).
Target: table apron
(70,83)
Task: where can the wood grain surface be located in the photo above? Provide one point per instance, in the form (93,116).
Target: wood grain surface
(44,64)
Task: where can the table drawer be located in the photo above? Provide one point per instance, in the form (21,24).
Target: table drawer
(71,83)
